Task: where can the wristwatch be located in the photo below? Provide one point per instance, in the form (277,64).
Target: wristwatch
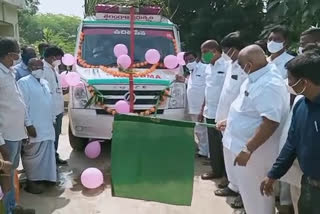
(246,150)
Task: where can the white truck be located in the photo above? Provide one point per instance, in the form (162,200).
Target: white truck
(96,39)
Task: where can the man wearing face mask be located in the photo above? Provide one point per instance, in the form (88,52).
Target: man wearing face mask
(22,68)
(277,44)
(254,125)
(215,75)
(38,154)
(52,59)
(303,137)
(310,36)
(195,96)
(12,114)
(232,44)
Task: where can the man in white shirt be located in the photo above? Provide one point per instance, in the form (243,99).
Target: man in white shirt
(215,75)
(22,68)
(232,44)
(195,96)
(277,46)
(38,154)
(52,59)
(12,114)
(254,126)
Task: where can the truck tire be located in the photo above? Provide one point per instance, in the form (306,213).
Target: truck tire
(77,143)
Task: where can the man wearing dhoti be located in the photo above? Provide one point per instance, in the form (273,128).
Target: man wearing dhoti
(38,154)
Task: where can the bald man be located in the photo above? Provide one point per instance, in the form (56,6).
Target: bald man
(310,36)
(38,156)
(254,126)
(216,72)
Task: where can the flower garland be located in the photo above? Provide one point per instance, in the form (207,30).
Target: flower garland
(97,99)
(115,72)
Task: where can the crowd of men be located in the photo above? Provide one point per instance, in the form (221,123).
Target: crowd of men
(31,111)
(265,104)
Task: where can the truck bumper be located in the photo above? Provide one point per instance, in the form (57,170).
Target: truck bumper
(86,123)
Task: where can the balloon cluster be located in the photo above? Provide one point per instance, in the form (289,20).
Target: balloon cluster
(69,78)
(152,56)
(92,178)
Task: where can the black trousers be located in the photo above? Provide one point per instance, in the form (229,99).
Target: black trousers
(309,198)
(216,150)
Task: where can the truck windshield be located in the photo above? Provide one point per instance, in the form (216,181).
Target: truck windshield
(98,44)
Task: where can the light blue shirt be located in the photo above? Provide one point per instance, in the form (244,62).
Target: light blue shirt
(40,114)
(21,70)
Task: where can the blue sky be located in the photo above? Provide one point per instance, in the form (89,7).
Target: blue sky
(67,7)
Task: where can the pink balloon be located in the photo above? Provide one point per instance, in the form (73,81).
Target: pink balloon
(73,78)
(93,150)
(122,107)
(180,57)
(124,61)
(120,49)
(152,56)
(92,178)
(171,61)
(64,83)
(68,60)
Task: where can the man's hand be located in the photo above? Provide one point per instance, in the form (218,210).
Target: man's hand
(221,125)
(200,117)
(31,131)
(7,167)
(266,187)
(180,78)
(242,159)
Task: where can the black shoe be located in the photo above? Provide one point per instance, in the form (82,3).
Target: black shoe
(20,210)
(33,188)
(226,192)
(237,203)
(59,161)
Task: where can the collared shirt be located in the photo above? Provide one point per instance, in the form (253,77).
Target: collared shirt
(216,75)
(196,88)
(303,141)
(281,62)
(38,100)
(231,89)
(21,70)
(12,108)
(53,78)
(263,94)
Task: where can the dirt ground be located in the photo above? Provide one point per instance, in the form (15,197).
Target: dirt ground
(70,197)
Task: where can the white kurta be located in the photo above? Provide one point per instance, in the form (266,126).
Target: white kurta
(215,76)
(38,156)
(281,62)
(230,91)
(196,88)
(53,78)
(263,94)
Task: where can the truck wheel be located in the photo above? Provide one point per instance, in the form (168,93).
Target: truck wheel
(77,143)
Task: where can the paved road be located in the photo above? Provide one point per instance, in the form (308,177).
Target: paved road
(71,198)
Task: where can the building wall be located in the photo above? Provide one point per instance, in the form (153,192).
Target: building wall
(9,17)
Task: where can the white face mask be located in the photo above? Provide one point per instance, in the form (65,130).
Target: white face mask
(292,91)
(191,66)
(275,47)
(300,52)
(56,63)
(37,73)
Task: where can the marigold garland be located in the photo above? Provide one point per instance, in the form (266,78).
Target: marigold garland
(98,99)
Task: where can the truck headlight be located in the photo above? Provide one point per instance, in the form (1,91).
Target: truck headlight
(79,96)
(178,96)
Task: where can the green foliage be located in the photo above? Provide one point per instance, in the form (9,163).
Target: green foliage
(54,29)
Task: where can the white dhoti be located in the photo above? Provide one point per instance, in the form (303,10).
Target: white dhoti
(249,180)
(39,161)
(229,158)
(201,136)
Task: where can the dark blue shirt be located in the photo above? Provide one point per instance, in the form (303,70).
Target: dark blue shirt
(303,141)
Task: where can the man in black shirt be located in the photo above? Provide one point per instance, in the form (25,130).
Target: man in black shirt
(303,140)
